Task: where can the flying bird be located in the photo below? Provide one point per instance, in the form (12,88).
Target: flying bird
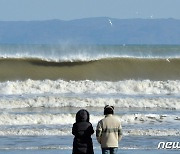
(110,22)
(168,60)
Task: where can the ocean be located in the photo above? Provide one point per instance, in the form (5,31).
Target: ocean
(43,86)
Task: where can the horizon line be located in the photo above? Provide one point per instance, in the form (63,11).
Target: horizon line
(169,18)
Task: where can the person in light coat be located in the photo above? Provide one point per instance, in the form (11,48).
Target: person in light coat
(109,131)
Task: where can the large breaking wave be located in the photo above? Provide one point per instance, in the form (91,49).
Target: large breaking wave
(111,69)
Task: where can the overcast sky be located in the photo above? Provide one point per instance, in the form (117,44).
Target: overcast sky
(76,9)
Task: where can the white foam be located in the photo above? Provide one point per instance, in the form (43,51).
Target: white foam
(88,53)
(48,147)
(151,132)
(81,101)
(34,132)
(36,119)
(69,119)
(132,87)
(148,118)
(60,93)
(65,132)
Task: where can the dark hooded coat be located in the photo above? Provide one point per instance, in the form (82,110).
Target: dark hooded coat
(82,130)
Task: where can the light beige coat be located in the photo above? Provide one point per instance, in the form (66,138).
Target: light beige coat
(109,131)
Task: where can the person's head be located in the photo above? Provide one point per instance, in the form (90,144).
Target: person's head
(82,115)
(108,110)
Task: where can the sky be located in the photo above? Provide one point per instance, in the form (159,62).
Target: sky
(26,10)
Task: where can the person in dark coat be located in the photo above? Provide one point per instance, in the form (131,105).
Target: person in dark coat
(82,131)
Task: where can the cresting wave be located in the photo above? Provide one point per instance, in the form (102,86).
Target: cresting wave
(111,69)
(126,87)
(54,124)
(83,102)
(58,119)
(71,53)
(60,93)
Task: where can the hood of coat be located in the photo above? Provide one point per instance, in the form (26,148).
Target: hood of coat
(82,116)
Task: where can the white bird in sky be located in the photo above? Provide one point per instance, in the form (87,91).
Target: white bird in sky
(110,22)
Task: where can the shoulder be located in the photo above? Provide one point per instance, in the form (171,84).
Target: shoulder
(112,119)
(115,117)
(117,121)
(88,123)
(100,122)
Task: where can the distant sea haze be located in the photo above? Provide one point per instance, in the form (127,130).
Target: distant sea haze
(100,30)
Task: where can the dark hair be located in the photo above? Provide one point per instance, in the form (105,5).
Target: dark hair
(82,115)
(108,110)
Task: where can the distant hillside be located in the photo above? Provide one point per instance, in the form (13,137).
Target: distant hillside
(92,31)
